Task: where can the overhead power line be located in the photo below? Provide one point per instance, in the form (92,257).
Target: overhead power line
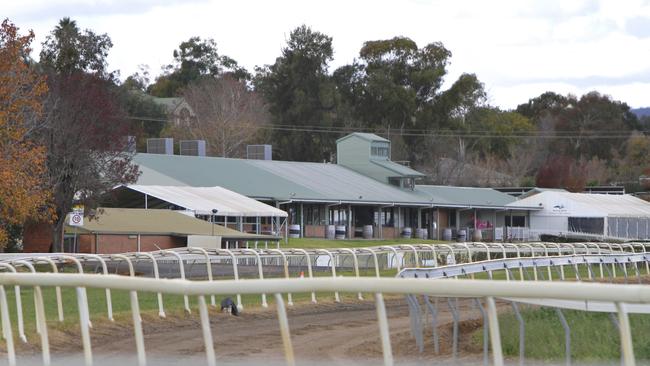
(556,134)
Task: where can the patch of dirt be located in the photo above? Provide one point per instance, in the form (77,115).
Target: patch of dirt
(327,333)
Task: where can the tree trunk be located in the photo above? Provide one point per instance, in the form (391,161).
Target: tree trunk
(57,234)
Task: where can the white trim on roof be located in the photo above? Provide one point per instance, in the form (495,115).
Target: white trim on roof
(202,200)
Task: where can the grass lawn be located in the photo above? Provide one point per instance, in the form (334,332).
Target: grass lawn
(173,304)
(594,337)
(309,243)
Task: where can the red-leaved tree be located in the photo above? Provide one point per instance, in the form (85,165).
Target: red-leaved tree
(83,130)
(562,172)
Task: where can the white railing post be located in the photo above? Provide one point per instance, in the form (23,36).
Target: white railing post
(495,336)
(626,335)
(260,271)
(19,305)
(109,302)
(309,271)
(156,275)
(6,327)
(284,330)
(337,298)
(384,333)
(355,263)
(207,332)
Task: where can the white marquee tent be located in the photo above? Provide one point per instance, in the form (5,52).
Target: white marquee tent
(245,213)
(202,200)
(612,216)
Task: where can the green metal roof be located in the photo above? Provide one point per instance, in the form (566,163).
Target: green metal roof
(153,221)
(273,180)
(299,181)
(363,135)
(399,169)
(468,196)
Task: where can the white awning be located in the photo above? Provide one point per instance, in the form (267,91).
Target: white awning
(202,200)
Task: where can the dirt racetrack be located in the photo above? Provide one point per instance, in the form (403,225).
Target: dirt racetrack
(324,333)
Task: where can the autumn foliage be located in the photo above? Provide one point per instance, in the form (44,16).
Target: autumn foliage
(23,194)
(561,171)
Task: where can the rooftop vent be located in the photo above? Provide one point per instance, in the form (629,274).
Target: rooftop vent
(160,146)
(259,152)
(192,147)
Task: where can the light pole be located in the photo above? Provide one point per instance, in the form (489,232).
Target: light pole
(214,213)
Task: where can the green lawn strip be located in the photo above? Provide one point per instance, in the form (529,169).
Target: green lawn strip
(148,302)
(315,243)
(569,273)
(593,335)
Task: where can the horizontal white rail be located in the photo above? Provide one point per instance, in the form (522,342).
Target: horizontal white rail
(620,295)
(460,288)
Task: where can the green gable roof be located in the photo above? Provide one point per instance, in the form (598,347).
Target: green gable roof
(364,136)
(399,170)
(269,179)
(468,196)
(299,181)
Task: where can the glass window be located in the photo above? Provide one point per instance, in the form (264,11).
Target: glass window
(380,149)
(589,225)
(515,221)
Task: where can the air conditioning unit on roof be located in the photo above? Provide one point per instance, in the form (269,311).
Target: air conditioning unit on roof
(192,147)
(259,152)
(160,146)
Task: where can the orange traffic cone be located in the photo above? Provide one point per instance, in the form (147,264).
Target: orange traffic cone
(302,274)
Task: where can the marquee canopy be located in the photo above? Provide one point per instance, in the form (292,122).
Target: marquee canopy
(202,200)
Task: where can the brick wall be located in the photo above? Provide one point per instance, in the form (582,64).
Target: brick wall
(37,238)
(108,244)
(389,232)
(315,231)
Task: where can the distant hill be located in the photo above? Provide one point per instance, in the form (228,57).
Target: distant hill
(640,112)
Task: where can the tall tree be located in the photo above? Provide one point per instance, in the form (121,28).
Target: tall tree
(84,131)
(193,59)
(84,125)
(23,196)
(497,132)
(581,126)
(397,85)
(148,118)
(227,115)
(301,95)
(67,50)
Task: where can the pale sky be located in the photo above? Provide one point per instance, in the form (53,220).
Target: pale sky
(519,49)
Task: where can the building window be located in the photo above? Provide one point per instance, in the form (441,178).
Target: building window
(314,215)
(380,149)
(409,183)
(588,225)
(397,182)
(386,217)
(515,221)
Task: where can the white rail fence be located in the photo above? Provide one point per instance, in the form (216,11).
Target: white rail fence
(621,296)
(471,258)
(590,267)
(262,260)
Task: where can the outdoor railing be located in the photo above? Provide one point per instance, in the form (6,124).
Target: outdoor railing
(619,295)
